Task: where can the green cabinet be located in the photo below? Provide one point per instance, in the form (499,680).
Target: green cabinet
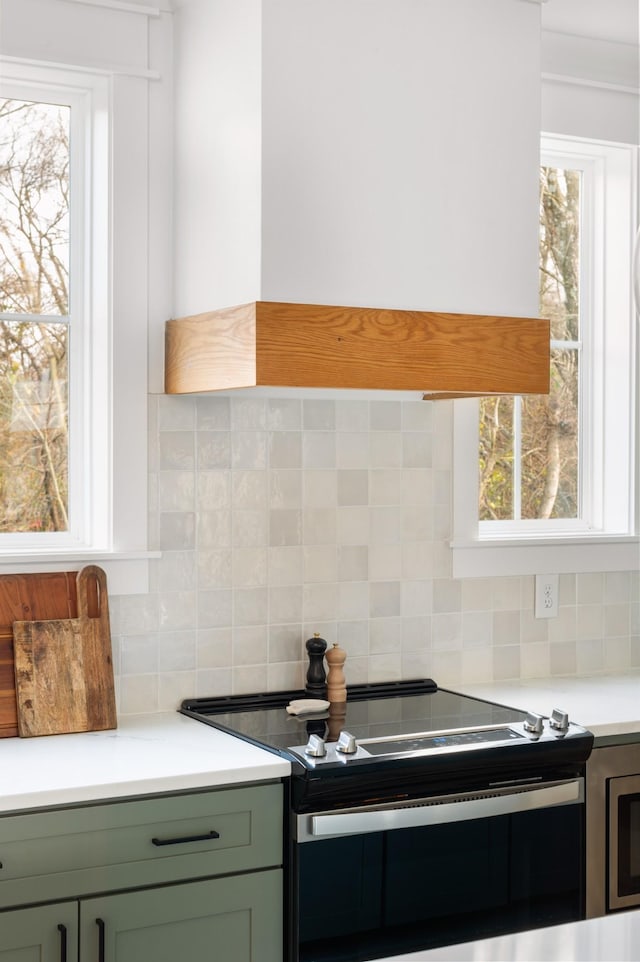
(48,933)
(235,919)
(160,879)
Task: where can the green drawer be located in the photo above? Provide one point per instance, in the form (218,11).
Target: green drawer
(66,853)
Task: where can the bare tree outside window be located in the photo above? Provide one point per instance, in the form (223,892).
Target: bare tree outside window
(529,446)
(34,309)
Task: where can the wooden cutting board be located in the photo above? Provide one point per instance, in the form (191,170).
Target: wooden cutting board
(25,597)
(63,667)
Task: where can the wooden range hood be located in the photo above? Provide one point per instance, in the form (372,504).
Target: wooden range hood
(273,344)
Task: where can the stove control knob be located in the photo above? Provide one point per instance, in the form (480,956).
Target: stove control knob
(347,744)
(533,724)
(315,747)
(559,720)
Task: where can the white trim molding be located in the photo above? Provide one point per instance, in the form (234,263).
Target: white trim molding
(121,5)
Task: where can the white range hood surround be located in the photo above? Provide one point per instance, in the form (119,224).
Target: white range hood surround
(369,152)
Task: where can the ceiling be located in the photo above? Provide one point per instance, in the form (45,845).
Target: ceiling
(616,20)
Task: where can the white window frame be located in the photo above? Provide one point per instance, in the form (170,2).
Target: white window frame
(605,537)
(108,471)
(88,321)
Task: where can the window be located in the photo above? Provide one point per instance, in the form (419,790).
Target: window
(558,471)
(54,332)
(73,321)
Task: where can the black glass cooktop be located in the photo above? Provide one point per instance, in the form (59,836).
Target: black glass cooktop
(371,711)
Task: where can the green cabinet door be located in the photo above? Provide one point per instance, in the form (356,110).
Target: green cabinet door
(232,919)
(45,934)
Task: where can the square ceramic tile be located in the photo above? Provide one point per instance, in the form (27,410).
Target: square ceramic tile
(385,486)
(249,528)
(249,450)
(177,530)
(318,415)
(320,489)
(285,488)
(447,595)
(214,568)
(319,526)
(285,604)
(285,565)
(385,562)
(285,449)
(250,645)
(416,597)
(417,416)
(353,562)
(320,563)
(353,525)
(213,647)
(177,451)
(177,651)
(285,527)
(214,529)
(250,606)
(213,450)
(248,414)
(385,416)
(384,599)
(319,449)
(416,450)
(353,600)
(284,414)
(213,413)
(352,450)
(213,490)
(352,415)
(176,490)
(417,486)
(249,490)
(176,413)
(249,567)
(385,450)
(353,487)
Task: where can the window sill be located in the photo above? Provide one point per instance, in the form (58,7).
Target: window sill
(479,559)
(127,571)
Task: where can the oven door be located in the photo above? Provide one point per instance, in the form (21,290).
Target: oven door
(391,878)
(624,842)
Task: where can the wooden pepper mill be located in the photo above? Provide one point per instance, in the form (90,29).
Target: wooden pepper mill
(316,686)
(336,686)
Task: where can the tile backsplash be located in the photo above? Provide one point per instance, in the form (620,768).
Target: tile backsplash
(281,517)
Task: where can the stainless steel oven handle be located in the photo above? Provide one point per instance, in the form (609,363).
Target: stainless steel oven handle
(434,812)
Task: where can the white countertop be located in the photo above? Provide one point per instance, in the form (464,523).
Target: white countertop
(169,752)
(605,704)
(145,754)
(614,938)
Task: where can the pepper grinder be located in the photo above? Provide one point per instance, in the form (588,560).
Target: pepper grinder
(336,687)
(316,686)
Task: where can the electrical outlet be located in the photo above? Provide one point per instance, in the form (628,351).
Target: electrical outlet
(546,601)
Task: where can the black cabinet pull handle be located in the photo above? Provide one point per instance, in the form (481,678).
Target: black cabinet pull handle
(100,924)
(186,838)
(62,929)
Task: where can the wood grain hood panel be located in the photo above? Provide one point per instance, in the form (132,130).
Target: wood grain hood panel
(273,344)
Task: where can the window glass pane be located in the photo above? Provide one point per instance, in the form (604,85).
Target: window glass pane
(559,251)
(544,483)
(550,444)
(496,459)
(34,208)
(33,427)
(34,280)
